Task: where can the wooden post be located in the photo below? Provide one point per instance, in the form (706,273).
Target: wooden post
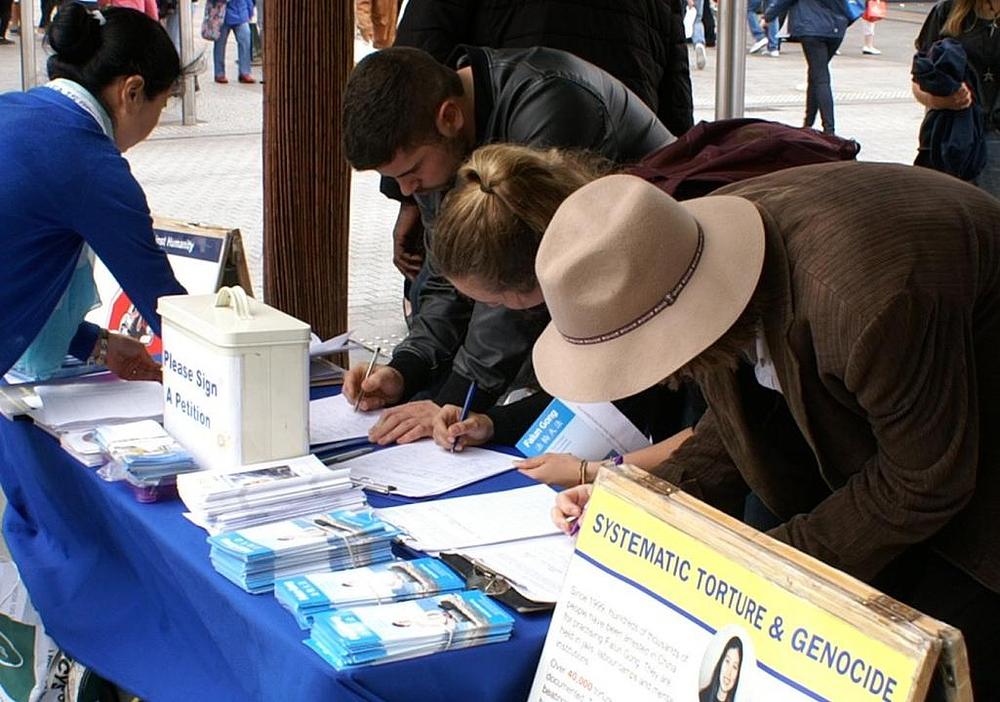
(309,52)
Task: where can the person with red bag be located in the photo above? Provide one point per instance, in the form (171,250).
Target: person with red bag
(875,10)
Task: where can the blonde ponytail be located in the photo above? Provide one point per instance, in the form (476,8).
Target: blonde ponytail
(492,221)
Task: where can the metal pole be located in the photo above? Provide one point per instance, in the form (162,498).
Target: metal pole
(189,114)
(29,73)
(730,80)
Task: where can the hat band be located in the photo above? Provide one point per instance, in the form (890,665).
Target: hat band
(669,299)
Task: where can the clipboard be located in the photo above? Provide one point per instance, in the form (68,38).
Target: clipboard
(489,582)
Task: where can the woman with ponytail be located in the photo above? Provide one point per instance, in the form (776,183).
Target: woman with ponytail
(485,242)
(66,192)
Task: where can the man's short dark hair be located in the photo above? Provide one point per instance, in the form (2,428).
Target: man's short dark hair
(391,102)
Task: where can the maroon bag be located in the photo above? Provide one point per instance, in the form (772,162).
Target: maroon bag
(713,154)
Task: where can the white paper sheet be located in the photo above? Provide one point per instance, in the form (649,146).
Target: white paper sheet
(337,344)
(423,468)
(475,520)
(105,400)
(534,567)
(334,419)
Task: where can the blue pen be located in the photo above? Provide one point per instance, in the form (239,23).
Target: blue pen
(466,406)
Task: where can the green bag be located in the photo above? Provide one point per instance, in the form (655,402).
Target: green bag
(32,668)
(27,654)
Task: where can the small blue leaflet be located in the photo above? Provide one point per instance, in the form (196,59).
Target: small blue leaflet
(349,638)
(306,596)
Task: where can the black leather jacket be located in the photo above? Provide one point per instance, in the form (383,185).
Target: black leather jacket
(639,42)
(540,97)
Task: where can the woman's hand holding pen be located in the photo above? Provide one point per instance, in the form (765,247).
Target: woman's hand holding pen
(569,506)
(561,469)
(383,387)
(450,432)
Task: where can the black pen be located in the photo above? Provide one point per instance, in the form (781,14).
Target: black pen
(346,456)
(470,395)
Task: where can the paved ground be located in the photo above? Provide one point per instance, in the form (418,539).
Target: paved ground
(211,172)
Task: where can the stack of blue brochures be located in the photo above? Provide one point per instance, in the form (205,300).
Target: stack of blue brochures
(255,557)
(360,636)
(144,451)
(305,596)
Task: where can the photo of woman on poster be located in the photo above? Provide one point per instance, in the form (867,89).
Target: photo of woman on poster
(726,668)
(726,677)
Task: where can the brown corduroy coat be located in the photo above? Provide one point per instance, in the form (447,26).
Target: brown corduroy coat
(886,341)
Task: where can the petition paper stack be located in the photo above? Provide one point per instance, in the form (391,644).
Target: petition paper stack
(360,636)
(306,596)
(100,399)
(254,558)
(323,371)
(225,500)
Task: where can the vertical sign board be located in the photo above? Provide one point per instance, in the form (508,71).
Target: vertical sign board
(668,599)
(203,399)
(202,257)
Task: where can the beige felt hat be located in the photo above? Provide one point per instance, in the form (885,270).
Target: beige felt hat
(639,284)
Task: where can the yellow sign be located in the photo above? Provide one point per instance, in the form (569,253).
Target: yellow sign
(667,599)
(794,640)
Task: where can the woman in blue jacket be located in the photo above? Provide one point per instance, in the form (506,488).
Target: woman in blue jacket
(820,26)
(238,15)
(66,193)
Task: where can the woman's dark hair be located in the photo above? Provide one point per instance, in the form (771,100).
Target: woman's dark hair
(128,43)
(712,691)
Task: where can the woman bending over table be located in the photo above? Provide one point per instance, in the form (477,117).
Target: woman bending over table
(485,242)
(66,193)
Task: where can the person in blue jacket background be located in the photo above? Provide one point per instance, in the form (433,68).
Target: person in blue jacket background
(238,16)
(66,192)
(820,26)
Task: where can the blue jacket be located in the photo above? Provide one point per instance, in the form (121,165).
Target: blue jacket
(950,140)
(238,12)
(826,19)
(63,183)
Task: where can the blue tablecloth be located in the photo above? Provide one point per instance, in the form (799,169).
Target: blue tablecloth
(127,588)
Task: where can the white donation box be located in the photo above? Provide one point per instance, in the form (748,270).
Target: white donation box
(235,378)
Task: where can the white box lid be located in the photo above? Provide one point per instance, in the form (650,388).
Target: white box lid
(231,319)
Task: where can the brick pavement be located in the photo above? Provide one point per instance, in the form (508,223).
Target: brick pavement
(211,172)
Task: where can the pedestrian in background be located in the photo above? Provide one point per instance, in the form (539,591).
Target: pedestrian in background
(868,47)
(237,20)
(48,9)
(820,26)
(376,21)
(5,8)
(147,7)
(973,23)
(765,40)
(698,33)
(171,18)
